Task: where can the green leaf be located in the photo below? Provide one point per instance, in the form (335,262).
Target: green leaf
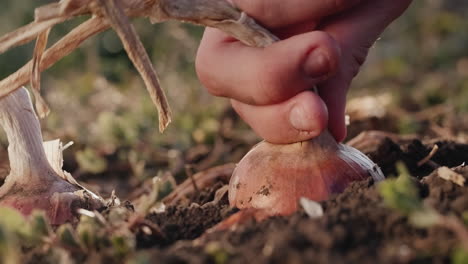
(217,252)
(88,232)
(150,201)
(459,256)
(9,253)
(118,214)
(140,258)
(15,222)
(123,245)
(401,193)
(90,161)
(464,217)
(424,218)
(40,226)
(67,237)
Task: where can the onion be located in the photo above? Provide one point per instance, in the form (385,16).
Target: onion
(273,178)
(36,179)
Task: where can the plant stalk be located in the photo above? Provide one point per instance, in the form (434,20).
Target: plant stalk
(28,161)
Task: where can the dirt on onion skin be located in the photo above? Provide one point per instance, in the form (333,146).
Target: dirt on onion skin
(356,226)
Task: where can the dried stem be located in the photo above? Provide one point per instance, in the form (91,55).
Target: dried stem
(214,13)
(429,156)
(61,49)
(113,10)
(41,44)
(26,33)
(219,14)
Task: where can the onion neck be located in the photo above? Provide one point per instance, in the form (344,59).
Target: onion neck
(325,140)
(25,150)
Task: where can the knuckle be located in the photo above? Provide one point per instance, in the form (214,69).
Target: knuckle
(330,46)
(333,52)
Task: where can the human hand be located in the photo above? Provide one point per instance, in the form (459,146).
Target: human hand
(324,43)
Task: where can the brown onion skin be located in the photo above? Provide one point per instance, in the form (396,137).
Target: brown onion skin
(274,177)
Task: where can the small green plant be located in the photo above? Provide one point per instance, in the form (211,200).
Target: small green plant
(68,238)
(18,232)
(110,235)
(9,252)
(402,195)
(460,256)
(91,161)
(217,253)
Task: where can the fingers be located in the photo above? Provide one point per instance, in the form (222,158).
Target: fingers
(270,85)
(281,13)
(359,28)
(333,93)
(265,76)
(302,117)
(368,22)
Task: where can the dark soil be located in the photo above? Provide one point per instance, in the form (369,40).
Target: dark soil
(356,226)
(187,222)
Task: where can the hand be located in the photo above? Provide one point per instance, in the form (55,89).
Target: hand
(324,43)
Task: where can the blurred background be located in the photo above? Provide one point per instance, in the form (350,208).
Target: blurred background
(415,81)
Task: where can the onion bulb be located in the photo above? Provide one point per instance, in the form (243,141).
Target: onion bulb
(37,180)
(272,178)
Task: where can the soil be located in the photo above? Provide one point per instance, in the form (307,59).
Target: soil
(183,222)
(356,226)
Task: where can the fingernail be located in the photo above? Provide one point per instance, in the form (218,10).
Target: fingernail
(300,119)
(317,64)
